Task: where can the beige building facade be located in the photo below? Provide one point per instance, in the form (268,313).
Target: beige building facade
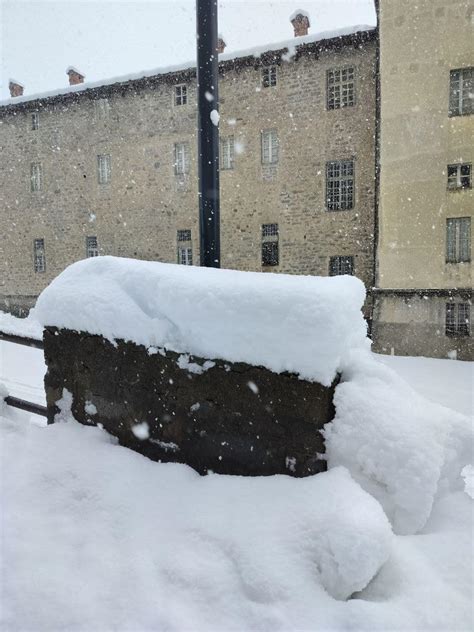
(423,300)
(111,169)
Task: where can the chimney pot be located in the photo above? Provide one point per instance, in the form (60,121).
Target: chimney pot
(16,88)
(75,77)
(221,45)
(300,22)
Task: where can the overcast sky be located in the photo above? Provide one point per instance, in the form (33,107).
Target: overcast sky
(39,39)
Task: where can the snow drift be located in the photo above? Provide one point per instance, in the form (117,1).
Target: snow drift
(300,324)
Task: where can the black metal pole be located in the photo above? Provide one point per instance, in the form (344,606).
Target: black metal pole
(208,132)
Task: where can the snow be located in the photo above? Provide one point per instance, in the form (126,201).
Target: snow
(215,117)
(292,323)
(26,327)
(299,12)
(255,51)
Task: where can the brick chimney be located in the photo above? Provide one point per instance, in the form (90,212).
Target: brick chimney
(221,44)
(16,89)
(75,77)
(300,22)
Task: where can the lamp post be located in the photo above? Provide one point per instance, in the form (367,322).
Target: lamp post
(208,132)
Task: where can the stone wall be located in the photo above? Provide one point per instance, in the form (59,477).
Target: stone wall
(224,417)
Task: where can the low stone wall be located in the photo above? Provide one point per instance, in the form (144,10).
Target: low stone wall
(222,417)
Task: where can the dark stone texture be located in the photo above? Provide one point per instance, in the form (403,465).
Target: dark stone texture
(215,418)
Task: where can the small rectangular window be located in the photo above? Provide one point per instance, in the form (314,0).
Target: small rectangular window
(180,95)
(36,180)
(269,76)
(184,235)
(92,249)
(227,152)
(461,92)
(101,108)
(340,185)
(270,246)
(39,255)
(459,176)
(181,158)
(104,170)
(185,255)
(340,90)
(341,265)
(458,240)
(458,319)
(35,120)
(270,147)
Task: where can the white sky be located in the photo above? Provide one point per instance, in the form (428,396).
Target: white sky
(39,39)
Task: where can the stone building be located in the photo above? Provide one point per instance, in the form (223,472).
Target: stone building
(426,201)
(110,168)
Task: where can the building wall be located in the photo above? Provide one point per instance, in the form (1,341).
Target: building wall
(138,213)
(420,43)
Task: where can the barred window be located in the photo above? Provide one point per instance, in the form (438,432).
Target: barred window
(101,108)
(458,317)
(269,76)
(270,249)
(458,239)
(180,95)
(185,256)
(270,146)
(92,249)
(184,235)
(104,171)
(341,265)
(36,181)
(35,120)
(181,158)
(459,176)
(340,88)
(461,92)
(227,153)
(340,185)
(39,257)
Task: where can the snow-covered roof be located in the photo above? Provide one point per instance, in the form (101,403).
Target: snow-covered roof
(290,45)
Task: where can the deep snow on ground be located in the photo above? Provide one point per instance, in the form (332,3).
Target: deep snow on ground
(97,538)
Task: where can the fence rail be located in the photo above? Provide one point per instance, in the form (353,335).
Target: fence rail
(22,340)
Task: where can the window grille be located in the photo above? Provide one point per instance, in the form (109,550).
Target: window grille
(92,249)
(269,230)
(458,239)
(459,176)
(341,265)
(36,176)
(340,88)
(104,168)
(35,121)
(39,255)
(458,317)
(340,185)
(184,235)
(185,256)
(270,246)
(269,76)
(180,95)
(181,158)
(227,153)
(270,146)
(101,107)
(461,92)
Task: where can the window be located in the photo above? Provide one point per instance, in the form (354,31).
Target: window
(185,250)
(39,256)
(101,108)
(104,169)
(270,253)
(269,77)
(181,158)
(458,317)
(461,92)
(340,91)
(459,176)
(35,120)
(340,185)
(36,176)
(180,95)
(341,265)
(458,240)
(227,152)
(269,146)
(92,249)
